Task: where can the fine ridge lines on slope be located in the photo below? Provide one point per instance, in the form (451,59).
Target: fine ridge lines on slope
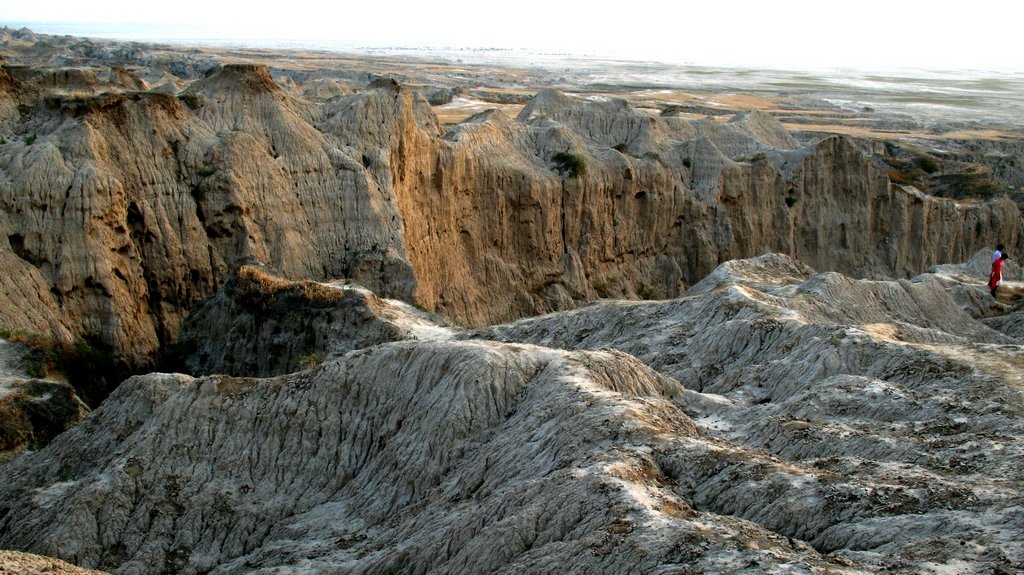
(367,476)
(919,345)
(825,445)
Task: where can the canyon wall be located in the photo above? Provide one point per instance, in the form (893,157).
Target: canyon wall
(122,210)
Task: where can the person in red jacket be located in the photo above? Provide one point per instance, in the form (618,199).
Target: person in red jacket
(997,273)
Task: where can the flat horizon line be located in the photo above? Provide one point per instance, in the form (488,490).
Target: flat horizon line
(185,35)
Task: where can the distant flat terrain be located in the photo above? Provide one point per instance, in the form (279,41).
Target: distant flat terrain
(893,105)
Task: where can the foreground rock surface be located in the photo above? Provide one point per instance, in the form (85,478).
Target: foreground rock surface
(15,563)
(774,420)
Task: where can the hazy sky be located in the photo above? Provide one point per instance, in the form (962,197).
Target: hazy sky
(971,34)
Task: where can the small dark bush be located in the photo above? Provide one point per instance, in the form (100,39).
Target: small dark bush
(570,164)
(790,201)
(927,163)
(207,171)
(621,148)
(902,177)
(29,139)
(687,162)
(193,101)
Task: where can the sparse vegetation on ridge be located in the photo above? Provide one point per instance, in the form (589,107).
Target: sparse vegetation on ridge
(261,291)
(88,365)
(570,164)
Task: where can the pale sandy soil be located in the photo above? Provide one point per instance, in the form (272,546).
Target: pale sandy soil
(17,563)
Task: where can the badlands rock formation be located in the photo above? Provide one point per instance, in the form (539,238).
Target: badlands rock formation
(32,411)
(258,325)
(772,420)
(123,209)
(14,563)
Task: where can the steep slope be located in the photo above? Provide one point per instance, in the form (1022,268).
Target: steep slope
(661,202)
(453,458)
(133,207)
(852,427)
(258,325)
(887,392)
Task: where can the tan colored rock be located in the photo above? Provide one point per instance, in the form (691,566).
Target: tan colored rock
(141,207)
(135,207)
(17,563)
(127,79)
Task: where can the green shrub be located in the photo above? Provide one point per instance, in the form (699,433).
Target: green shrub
(790,201)
(88,365)
(621,148)
(927,163)
(902,177)
(570,164)
(206,171)
(29,139)
(687,162)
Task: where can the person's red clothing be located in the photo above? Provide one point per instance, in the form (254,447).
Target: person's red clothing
(997,274)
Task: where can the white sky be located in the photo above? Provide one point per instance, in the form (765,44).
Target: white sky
(967,34)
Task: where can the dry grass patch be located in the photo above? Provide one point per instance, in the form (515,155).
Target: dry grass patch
(261,291)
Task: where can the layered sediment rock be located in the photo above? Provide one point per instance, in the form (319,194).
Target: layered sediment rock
(133,207)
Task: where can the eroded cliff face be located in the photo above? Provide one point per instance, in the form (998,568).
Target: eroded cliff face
(131,207)
(258,325)
(661,202)
(775,419)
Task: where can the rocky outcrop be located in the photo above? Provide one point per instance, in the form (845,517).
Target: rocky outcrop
(671,201)
(258,325)
(133,207)
(890,386)
(436,478)
(32,411)
(127,79)
(844,426)
(27,564)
